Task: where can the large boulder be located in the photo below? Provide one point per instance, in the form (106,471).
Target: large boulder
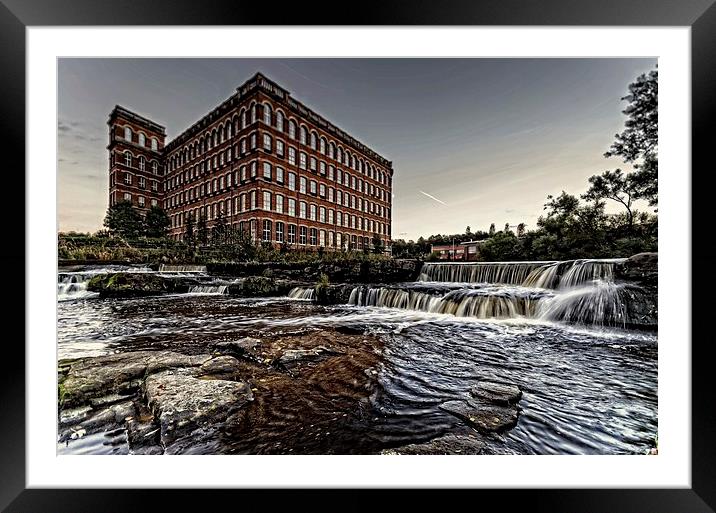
(642,268)
(188,407)
(120,373)
(486,418)
(497,393)
(128,285)
(448,444)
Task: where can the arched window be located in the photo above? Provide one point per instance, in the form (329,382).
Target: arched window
(253,113)
(127,134)
(322,147)
(243,118)
(292,129)
(267,114)
(303,135)
(314,142)
(154,144)
(141,139)
(331,150)
(279,121)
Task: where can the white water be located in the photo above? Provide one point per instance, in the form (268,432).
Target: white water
(163,268)
(209,289)
(301,293)
(578,291)
(72,285)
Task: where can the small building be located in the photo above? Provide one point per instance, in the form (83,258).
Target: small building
(465,251)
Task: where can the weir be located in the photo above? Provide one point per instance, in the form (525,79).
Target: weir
(163,268)
(301,293)
(209,289)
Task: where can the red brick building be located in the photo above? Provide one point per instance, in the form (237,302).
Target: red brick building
(266,163)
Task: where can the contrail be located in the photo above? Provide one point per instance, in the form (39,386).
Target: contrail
(433,198)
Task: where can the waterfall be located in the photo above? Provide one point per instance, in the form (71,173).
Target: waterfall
(301,293)
(545,275)
(601,303)
(74,286)
(506,273)
(208,289)
(479,303)
(163,268)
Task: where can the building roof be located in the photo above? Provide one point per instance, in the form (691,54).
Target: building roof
(133,116)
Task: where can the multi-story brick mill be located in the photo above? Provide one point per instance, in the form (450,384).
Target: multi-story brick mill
(265,163)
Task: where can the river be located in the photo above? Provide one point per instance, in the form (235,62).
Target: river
(589,383)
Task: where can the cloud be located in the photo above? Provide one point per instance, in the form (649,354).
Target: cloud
(433,198)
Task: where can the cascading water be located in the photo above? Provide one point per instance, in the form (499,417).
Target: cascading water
(301,293)
(576,291)
(208,289)
(73,286)
(174,269)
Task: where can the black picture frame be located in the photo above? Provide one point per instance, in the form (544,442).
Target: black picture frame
(17,15)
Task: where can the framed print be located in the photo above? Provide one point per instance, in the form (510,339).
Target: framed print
(419,251)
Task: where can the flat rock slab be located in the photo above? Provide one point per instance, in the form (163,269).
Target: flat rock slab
(448,444)
(183,403)
(497,393)
(117,373)
(224,366)
(292,357)
(486,418)
(243,347)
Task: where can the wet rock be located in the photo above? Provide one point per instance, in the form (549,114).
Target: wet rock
(642,268)
(486,418)
(292,357)
(191,408)
(497,393)
(448,444)
(121,373)
(224,366)
(128,285)
(241,347)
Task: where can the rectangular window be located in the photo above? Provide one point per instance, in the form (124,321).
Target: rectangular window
(312,212)
(330,217)
(302,210)
(279,203)
(292,181)
(302,185)
(302,235)
(314,163)
(322,214)
(279,232)
(142,182)
(279,174)
(267,231)
(331,170)
(279,148)
(154,203)
(292,207)
(292,234)
(313,187)
(253,199)
(267,142)
(322,190)
(155,185)
(253,140)
(267,170)
(322,168)
(302,160)
(339,219)
(243,146)
(312,239)
(127,179)
(244,175)
(292,156)
(127,197)
(140,201)
(267,200)
(330,194)
(254,169)
(322,238)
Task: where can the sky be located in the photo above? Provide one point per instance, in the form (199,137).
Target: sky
(472,141)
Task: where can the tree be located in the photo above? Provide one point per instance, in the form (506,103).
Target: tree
(377,244)
(468,232)
(521,230)
(492,229)
(202,230)
(616,186)
(124,220)
(638,143)
(218,231)
(189,230)
(507,227)
(156,222)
